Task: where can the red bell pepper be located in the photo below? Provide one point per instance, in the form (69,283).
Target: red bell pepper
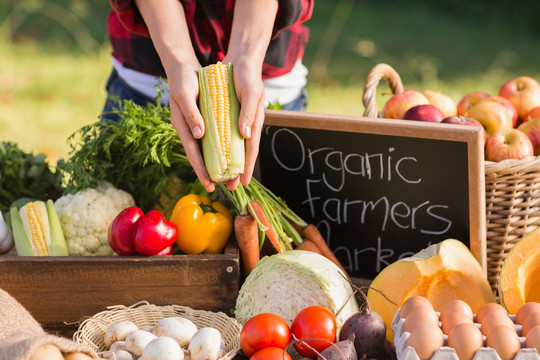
(154,233)
(122,230)
(132,232)
(169,250)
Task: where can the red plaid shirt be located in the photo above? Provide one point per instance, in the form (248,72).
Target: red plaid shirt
(209,23)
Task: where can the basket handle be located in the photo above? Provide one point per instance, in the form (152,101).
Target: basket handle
(379,72)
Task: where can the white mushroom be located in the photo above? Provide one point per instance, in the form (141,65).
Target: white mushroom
(205,344)
(163,348)
(178,328)
(137,341)
(118,331)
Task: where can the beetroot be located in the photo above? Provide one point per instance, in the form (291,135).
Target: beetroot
(341,350)
(369,330)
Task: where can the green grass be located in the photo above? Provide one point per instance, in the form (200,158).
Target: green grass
(49,87)
(45,97)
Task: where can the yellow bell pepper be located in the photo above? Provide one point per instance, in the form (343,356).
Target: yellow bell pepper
(203,226)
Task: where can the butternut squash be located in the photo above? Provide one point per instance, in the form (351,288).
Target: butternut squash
(519,280)
(441,273)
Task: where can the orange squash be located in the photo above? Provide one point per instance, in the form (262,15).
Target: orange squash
(519,281)
(441,273)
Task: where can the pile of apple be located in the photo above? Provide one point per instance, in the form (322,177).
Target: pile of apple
(511,119)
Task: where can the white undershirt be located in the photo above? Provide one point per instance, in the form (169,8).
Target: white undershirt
(282,89)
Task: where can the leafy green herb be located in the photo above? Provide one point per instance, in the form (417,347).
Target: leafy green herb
(26,175)
(137,153)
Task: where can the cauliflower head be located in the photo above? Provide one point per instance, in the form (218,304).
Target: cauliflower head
(85,217)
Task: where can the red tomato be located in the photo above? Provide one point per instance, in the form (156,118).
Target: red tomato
(314,322)
(271,353)
(264,330)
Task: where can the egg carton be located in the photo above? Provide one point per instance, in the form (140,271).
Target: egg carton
(405,352)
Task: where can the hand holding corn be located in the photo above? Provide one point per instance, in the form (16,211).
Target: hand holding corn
(228,152)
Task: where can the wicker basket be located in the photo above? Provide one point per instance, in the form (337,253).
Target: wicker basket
(91,331)
(512,187)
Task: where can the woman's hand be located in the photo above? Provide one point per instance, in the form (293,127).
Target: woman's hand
(250,91)
(168,29)
(250,35)
(186,117)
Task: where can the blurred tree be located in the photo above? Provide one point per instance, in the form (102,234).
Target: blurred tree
(69,24)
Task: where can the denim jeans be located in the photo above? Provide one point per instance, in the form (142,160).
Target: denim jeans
(298,104)
(117,90)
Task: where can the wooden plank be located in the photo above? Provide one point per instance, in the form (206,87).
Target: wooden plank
(62,290)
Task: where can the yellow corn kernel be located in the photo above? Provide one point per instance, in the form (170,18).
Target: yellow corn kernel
(37,230)
(219,93)
(223,145)
(36,226)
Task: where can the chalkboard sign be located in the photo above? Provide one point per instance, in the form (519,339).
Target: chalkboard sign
(377,189)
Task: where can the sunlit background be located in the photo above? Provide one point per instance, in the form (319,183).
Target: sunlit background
(55,57)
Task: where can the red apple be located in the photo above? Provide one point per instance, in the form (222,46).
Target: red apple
(469,100)
(398,104)
(508,144)
(426,112)
(509,106)
(532,129)
(441,101)
(465,120)
(523,92)
(492,115)
(534,113)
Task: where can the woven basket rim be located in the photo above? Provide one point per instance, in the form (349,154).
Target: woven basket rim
(527,164)
(97,324)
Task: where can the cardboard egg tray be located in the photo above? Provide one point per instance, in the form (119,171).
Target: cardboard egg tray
(405,352)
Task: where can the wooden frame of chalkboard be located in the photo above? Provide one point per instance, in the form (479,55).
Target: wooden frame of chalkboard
(378,189)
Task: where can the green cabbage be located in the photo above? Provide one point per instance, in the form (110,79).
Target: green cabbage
(284,284)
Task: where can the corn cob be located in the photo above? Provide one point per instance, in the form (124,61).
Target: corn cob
(222,143)
(37,230)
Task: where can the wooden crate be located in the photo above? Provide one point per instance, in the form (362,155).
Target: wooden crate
(61,291)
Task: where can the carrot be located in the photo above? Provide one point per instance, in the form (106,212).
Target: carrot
(247,235)
(311,232)
(308,245)
(259,213)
